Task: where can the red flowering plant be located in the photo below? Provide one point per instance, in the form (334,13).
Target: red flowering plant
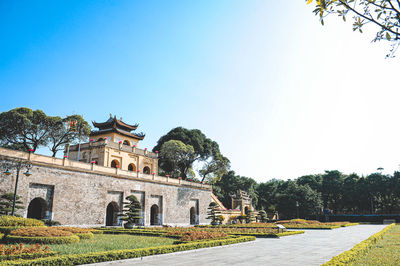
(21,248)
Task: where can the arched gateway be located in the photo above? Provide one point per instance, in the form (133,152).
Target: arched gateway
(37,209)
(112,214)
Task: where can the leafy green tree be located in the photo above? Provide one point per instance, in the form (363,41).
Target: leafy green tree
(267,194)
(351,193)
(23,129)
(71,130)
(383,14)
(230,183)
(314,181)
(178,156)
(131,213)
(332,185)
(310,202)
(6,202)
(205,151)
(214,168)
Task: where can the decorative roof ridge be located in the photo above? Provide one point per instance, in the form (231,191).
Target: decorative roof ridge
(113,122)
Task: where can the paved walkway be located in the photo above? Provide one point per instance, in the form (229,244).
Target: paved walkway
(314,247)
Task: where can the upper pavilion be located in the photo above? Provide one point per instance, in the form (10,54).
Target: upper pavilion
(116,130)
(114,144)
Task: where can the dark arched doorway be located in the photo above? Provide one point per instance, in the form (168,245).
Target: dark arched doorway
(37,209)
(112,214)
(115,164)
(146,170)
(126,143)
(193,215)
(246,210)
(132,167)
(154,215)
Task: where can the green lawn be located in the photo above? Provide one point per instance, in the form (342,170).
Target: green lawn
(111,242)
(385,252)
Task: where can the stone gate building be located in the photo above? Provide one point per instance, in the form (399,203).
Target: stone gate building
(88,186)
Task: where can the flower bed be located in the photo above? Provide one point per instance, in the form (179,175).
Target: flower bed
(47,235)
(20,251)
(83,233)
(40,232)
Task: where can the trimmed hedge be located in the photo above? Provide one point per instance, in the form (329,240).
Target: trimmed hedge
(313,227)
(97,232)
(88,235)
(27,256)
(40,232)
(42,240)
(8,229)
(358,250)
(350,224)
(6,221)
(126,254)
(289,233)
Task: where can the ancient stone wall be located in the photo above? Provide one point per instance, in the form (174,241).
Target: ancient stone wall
(81,197)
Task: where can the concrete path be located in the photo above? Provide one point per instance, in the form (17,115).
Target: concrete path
(314,247)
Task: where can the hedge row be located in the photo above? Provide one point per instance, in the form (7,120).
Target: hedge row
(88,235)
(289,233)
(350,224)
(358,250)
(126,254)
(8,229)
(6,220)
(43,240)
(312,227)
(27,256)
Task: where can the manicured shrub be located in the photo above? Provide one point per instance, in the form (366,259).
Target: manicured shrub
(12,221)
(201,235)
(40,232)
(42,239)
(27,256)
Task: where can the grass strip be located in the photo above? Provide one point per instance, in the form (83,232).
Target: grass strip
(350,256)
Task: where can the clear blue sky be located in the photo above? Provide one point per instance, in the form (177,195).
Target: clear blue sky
(282,95)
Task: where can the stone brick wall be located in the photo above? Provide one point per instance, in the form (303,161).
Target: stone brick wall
(81,197)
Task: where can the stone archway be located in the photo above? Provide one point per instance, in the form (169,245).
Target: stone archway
(154,215)
(112,214)
(146,170)
(132,167)
(114,164)
(37,209)
(193,216)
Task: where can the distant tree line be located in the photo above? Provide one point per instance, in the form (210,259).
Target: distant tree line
(331,191)
(26,130)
